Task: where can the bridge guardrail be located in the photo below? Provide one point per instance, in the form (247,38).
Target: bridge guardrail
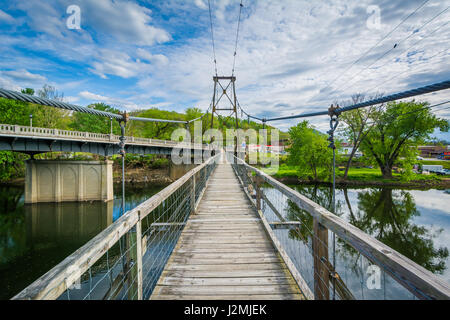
(315,231)
(125,260)
(90,136)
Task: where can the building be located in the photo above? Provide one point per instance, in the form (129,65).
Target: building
(346,149)
(432,151)
(266,149)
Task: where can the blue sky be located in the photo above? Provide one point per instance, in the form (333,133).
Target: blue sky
(293,55)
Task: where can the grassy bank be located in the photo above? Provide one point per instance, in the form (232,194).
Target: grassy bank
(363,176)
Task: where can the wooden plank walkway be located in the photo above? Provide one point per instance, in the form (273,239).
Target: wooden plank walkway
(224,252)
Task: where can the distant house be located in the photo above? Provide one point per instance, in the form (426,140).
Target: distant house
(266,148)
(432,151)
(346,149)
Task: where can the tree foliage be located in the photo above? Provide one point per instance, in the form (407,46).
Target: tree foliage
(91,123)
(359,123)
(397,132)
(309,152)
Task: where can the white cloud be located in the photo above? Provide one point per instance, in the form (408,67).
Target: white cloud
(201,4)
(124,20)
(289,51)
(4,17)
(118,64)
(116,102)
(157,59)
(24,75)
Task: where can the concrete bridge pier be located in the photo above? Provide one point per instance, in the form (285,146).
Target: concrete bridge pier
(59,181)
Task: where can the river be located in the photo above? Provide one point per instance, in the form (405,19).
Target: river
(35,238)
(415,223)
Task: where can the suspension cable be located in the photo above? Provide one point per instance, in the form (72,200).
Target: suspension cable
(401,95)
(237,38)
(18,96)
(212,36)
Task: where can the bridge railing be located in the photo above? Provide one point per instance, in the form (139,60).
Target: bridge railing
(125,261)
(16,130)
(333,258)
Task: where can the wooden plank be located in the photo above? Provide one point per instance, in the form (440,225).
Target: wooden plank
(285,225)
(226,273)
(306,291)
(226,255)
(224,252)
(225,290)
(225,267)
(225,281)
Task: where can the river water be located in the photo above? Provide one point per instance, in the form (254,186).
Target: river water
(415,223)
(35,238)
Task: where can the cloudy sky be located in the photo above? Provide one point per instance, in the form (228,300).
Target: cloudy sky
(294,56)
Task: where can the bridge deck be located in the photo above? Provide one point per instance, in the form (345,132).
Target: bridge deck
(224,252)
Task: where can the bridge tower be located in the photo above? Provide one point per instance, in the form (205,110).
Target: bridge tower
(224,87)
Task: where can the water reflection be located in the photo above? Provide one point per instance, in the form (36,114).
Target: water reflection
(391,216)
(34,238)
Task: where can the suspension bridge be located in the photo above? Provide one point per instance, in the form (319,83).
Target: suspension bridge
(220,231)
(214,234)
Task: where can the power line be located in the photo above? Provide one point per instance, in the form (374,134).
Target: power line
(403,72)
(390,50)
(212,35)
(237,37)
(373,47)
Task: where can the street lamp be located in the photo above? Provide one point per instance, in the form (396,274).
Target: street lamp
(111,125)
(31,120)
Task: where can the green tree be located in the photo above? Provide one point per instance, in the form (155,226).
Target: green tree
(309,152)
(154,130)
(50,117)
(15,113)
(91,123)
(397,133)
(28,91)
(357,126)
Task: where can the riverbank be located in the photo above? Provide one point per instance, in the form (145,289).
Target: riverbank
(133,176)
(143,176)
(360,177)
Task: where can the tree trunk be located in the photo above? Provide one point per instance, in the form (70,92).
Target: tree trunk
(386,170)
(347,167)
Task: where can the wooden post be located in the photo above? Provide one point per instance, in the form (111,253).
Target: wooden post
(193,195)
(320,255)
(139,254)
(258,192)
